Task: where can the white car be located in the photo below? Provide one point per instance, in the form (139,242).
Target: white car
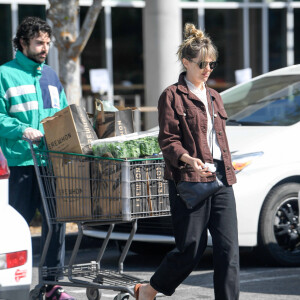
(263,129)
(15,245)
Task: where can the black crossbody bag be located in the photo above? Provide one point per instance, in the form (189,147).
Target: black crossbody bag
(193,193)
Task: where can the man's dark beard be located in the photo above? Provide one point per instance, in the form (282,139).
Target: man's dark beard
(35,56)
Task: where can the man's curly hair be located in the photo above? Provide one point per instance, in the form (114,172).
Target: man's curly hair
(29,28)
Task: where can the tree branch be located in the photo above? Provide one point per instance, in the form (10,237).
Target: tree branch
(87,29)
(54,13)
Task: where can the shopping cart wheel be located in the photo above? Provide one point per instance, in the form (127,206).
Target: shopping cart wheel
(122,296)
(36,294)
(93,294)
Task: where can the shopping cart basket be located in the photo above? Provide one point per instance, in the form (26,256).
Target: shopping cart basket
(90,191)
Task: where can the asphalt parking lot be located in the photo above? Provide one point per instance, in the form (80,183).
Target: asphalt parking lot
(258,281)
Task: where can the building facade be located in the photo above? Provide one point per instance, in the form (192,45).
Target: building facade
(261,35)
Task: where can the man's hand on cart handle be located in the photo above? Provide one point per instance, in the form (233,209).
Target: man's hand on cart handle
(32,134)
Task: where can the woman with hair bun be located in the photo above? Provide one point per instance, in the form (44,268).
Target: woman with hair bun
(192,134)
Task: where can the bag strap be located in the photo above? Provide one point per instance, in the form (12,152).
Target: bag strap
(213,121)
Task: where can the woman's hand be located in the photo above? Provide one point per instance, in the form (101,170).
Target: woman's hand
(196,164)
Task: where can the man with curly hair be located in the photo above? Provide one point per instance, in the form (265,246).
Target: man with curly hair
(29,92)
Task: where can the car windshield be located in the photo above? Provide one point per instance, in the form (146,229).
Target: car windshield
(269,101)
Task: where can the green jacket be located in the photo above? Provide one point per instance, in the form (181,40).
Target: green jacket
(29,92)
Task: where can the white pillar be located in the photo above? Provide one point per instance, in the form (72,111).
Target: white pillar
(246,38)
(162,36)
(109,49)
(201,16)
(14,21)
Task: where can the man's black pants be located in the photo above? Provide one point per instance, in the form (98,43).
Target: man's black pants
(25,197)
(216,214)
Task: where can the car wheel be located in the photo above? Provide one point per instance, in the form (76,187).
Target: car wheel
(279,228)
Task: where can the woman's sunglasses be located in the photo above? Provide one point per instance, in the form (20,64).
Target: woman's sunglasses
(203,64)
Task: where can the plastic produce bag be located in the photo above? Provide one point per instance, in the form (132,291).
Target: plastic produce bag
(134,145)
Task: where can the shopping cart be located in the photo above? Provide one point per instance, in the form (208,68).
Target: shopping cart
(89,191)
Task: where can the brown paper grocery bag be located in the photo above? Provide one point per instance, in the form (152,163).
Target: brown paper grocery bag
(113,123)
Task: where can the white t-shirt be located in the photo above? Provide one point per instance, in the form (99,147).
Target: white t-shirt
(212,142)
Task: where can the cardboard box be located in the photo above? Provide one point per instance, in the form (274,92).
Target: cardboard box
(72,184)
(69,130)
(106,190)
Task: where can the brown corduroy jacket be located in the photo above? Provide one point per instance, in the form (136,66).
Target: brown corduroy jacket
(183,129)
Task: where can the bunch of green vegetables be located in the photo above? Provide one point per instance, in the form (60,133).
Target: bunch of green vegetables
(141,147)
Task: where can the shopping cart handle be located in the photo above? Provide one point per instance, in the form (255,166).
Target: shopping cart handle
(35,142)
(27,140)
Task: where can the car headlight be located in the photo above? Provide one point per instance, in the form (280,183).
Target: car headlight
(240,162)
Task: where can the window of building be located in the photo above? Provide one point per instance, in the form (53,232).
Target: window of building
(255,31)
(127,46)
(94,53)
(32,10)
(190,16)
(296,35)
(277,38)
(223,23)
(225,27)
(6,52)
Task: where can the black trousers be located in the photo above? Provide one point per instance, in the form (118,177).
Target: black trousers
(216,214)
(25,197)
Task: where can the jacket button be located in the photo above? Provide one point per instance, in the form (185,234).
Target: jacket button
(224,150)
(228,168)
(220,132)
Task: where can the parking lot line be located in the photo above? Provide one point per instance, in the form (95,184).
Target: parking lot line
(268,278)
